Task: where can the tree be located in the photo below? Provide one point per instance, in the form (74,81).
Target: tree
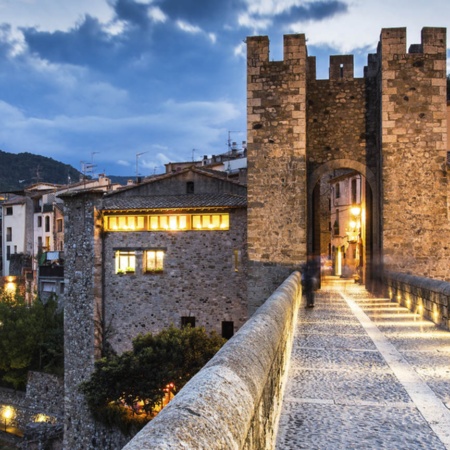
(31,338)
(127,390)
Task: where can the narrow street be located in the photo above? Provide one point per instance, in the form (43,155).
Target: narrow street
(365,373)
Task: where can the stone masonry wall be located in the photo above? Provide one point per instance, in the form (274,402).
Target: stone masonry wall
(234,401)
(82,316)
(199,279)
(414,147)
(424,296)
(336,119)
(276,116)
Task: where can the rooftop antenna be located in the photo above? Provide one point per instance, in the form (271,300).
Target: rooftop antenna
(230,142)
(137,163)
(193,154)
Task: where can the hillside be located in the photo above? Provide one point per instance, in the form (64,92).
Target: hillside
(20,170)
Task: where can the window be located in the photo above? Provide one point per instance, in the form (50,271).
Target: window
(125,262)
(154,261)
(354,191)
(187,321)
(47,242)
(336,224)
(168,222)
(8,253)
(39,243)
(211,222)
(39,221)
(9,210)
(48,286)
(47,224)
(227,329)
(338,190)
(236,259)
(190,187)
(9,234)
(59,225)
(125,223)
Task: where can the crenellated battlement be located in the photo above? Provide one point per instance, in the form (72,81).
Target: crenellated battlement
(393,43)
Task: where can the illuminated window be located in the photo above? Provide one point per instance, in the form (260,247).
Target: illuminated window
(168,222)
(154,260)
(211,222)
(125,223)
(125,262)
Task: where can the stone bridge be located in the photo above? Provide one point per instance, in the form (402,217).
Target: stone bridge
(356,371)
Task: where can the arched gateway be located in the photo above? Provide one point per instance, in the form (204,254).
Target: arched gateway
(389,127)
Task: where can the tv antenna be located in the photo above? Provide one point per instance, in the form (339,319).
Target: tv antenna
(137,163)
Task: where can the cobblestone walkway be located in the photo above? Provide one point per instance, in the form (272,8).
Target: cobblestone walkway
(365,374)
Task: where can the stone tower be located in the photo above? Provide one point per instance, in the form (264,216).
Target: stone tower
(276,164)
(390,126)
(414,152)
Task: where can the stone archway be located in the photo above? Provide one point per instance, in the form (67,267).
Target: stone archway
(371,201)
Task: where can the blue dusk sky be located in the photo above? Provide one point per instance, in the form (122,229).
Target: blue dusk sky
(101,81)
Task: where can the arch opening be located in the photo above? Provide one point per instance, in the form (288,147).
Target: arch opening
(342,221)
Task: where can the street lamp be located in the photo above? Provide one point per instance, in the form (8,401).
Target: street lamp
(7,414)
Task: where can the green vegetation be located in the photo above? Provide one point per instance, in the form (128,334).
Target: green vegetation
(128,390)
(31,338)
(24,169)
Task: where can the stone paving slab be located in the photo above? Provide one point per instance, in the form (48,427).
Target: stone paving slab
(346,386)
(343,394)
(341,427)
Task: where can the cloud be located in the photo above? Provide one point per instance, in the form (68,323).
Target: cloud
(260,15)
(187,27)
(48,15)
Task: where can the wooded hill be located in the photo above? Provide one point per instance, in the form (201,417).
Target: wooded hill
(20,170)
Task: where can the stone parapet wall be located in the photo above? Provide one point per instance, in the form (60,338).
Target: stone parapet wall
(424,296)
(234,401)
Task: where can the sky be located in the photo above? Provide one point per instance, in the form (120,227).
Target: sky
(123,87)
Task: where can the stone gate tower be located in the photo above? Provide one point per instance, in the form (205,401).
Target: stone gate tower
(390,126)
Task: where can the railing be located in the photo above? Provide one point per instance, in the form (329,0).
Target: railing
(234,401)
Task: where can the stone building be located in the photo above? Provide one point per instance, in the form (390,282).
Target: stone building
(390,126)
(170,250)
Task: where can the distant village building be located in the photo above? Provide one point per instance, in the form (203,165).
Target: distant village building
(33,235)
(347,222)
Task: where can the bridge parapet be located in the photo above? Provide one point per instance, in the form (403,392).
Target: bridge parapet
(425,296)
(234,401)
